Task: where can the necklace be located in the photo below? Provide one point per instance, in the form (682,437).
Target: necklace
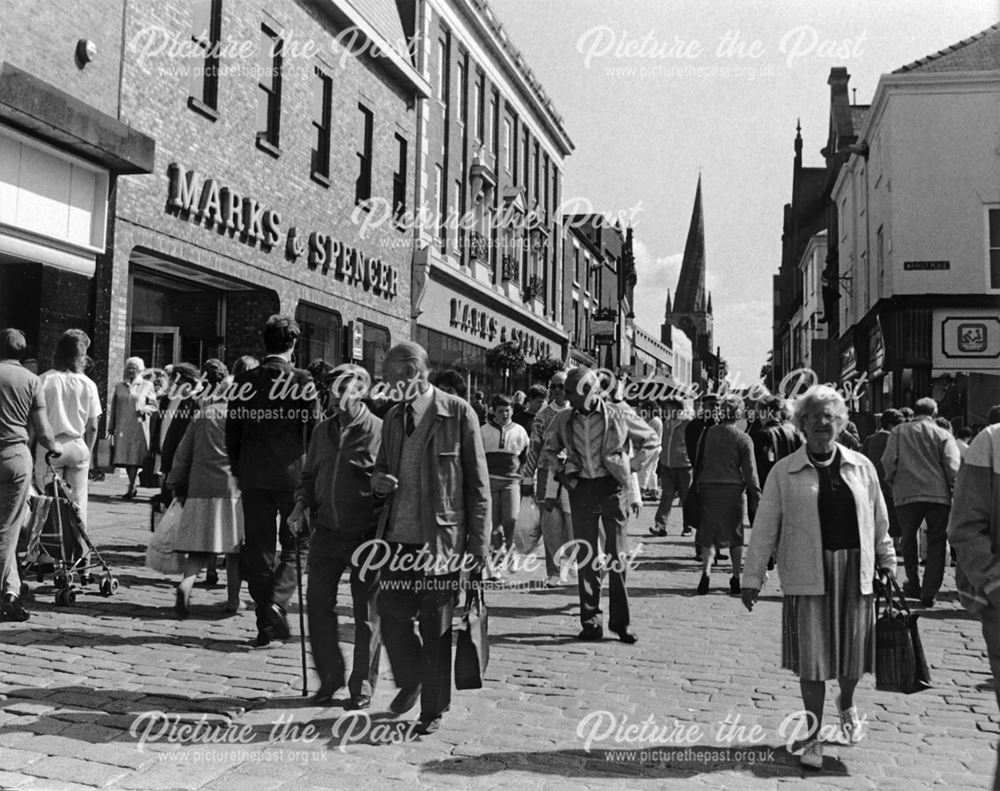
(821,462)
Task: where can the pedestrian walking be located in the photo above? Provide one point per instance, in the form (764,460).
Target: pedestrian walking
(674,466)
(536,398)
(506,446)
(874,447)
(974,533)
(132,403)
(479,405)
(649,478)
(605,445)
(921,461)
(822,514)
(73,409)
(773,435)
(432,467)
(556,522)
(266,438)
(177,407)
(22,405)
(335,494)
(726,472)
(201,477)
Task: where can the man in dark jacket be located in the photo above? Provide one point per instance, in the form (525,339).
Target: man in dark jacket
(335,490)
(873,448)
(774,436)
(271,416)
(177,408)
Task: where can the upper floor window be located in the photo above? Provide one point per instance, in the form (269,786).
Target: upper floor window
(399,181)
(442,84)
(269,85)
(994,248)
(478,108)
(495,124)
(508,145)
(322,88)
(206,30)
(463,105)
(363,184)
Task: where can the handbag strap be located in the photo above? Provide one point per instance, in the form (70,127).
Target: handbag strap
(894,598)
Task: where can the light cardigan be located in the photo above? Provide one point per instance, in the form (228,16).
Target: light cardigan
(788,520)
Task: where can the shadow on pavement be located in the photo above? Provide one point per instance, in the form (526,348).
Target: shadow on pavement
(651,762)
(62,636)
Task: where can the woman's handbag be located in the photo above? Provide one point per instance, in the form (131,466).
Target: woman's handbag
(472,650)
(900,664)
(160,555)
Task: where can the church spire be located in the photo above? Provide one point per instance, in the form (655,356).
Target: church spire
(691,283)
(709,309)
(670,307)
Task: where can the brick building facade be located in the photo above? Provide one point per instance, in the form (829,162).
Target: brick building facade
(256,203)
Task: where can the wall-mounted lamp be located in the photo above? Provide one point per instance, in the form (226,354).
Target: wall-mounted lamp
(86,51)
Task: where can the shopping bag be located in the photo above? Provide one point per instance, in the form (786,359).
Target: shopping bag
(472,650)
(528,529)
(900,664)
(102,455)
(160,555)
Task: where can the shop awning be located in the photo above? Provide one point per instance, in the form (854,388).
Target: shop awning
(44,111)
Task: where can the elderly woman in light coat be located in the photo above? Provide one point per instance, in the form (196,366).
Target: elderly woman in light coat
(823,516)
(132,404)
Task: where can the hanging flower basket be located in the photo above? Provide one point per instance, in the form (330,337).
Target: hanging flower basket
(507,357)
(543,369)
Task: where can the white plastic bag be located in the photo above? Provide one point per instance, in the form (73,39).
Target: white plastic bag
(528,530)
(160,555)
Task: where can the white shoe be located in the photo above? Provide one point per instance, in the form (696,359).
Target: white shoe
(552,582)
(812,755)
(850,723)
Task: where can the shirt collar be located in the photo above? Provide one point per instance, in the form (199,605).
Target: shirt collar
(799,460)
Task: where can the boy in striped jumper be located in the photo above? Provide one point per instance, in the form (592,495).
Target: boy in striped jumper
(506,446)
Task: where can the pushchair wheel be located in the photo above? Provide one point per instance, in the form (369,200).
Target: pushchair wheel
(114,585)
(109,586)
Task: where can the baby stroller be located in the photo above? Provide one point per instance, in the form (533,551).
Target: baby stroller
(56,541)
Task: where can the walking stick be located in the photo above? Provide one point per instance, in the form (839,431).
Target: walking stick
(302,626)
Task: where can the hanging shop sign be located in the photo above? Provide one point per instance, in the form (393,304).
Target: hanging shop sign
(965,339)
(218,206)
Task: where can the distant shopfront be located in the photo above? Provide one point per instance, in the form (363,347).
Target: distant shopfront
(458,327)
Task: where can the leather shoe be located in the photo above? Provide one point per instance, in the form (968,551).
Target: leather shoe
(280,622)
(928,602)
(427,726)
(180,604)
(626,635)
(911,591)
(262,641)
(405,700)
(358,702)
(591,633)
(703,584)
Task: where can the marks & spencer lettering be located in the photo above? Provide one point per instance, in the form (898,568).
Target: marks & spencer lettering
(242,217)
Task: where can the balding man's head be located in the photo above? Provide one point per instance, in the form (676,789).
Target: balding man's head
(406,369)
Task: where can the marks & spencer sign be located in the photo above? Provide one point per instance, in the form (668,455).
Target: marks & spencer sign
(218,206)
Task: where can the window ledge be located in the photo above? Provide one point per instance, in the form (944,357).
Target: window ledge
(320,178)
(203,109)
(265,145)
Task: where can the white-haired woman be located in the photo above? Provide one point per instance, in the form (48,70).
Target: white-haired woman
(725,469)
(132,403)
(823,516)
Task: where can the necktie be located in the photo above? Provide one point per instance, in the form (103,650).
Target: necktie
(409,420)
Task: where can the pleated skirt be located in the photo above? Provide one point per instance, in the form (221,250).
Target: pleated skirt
(833,635)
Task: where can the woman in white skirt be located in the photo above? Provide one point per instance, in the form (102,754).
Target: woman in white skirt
(823,517)
(212,519)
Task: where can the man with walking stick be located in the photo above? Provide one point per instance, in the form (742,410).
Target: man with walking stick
(335,491)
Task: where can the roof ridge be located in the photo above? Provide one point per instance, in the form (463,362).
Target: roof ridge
(948,50)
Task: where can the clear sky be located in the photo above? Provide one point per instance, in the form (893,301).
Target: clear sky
(642,130)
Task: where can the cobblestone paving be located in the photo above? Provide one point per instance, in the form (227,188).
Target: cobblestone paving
(80,685)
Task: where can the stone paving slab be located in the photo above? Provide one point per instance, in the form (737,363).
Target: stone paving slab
(80,684)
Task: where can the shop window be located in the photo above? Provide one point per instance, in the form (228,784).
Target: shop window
(175,321)
(322,335)
(363,184)
(321,120)
(375,345)
(205,34)
(399,182)
(269,85)
(994,218)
